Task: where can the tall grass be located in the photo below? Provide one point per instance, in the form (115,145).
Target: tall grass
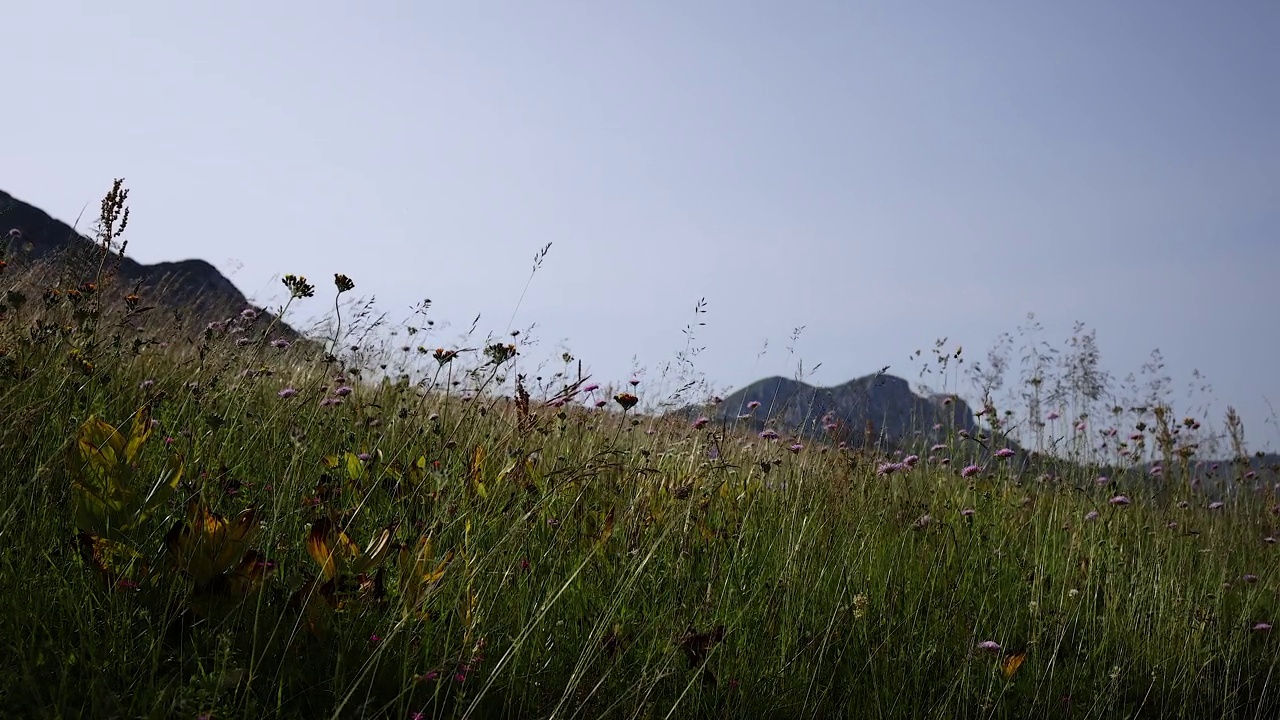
(545,557)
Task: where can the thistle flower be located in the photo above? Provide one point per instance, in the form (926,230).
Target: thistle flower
(1101,480)
(910,461)
(768,434)
(938,448)
(1091,516)
(1261,627)
(343,391)
(968,512)
(280,343)
(591,388)
(989,646)
(753,404)
(970,471)
(1004,453)
(888,468)
(1119,500)
(1053,415)
(330,402)
(796,447)
(288,392)
(1249,578)
(249,314)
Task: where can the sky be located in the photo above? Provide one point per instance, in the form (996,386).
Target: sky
(881,174)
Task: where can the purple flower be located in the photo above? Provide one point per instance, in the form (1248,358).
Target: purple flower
(1053,415)
(989,646)
(249,314)
(888,468)
(1101,480)
(1080,427)
(365,457)
(970,471)
(288,392)
(1004,453)
(1262,627)
(796,447)
(280,343)
(1216,505)
(1250,578)
(753,404)
(768,434)
(1091,516)
(1119,500)
(1157,470)
(968,512)
(701,423)
(146,384)
(330,402)
(342,391)
(910,461)
(938,448)
(923,522)
(591,388)
(1250,475)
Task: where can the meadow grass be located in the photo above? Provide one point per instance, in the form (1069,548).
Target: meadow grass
(221,524)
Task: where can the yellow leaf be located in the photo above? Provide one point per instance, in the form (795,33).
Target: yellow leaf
(138,433)
(1010,664)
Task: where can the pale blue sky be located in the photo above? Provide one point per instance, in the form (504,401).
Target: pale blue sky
(881,173)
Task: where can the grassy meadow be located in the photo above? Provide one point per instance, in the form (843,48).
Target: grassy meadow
(224,523)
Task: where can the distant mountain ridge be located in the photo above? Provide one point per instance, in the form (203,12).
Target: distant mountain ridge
(193,287)
(880,403)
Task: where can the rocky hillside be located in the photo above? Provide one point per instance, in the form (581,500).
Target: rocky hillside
(194,288)
(884,404)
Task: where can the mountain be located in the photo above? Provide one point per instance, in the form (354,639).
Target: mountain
(882,404)
(193,287)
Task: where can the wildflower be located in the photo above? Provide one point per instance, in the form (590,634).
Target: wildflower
(168,440)
(1157,471)
(888,468)
(1216,505)
(970,471)
(280,343)
(1004,453)
(968,512)
(701,423)
(938,448)
(249,314)
(1261,627)
(343,283)
(1101,480)
(364,457)
(990,646)
(626,400)
(330,402)
(1053,415)
(910,461)
(768,434)
(342,391)
(146,384)
(553,523)
(1119,500)
(601,403)
(923,522)
(298,286)
(796,447)
(1091,516)
(374,639)
(288,392)
(591,388)
(753,404)
(1250,475)
(1080,426)
(1249,578)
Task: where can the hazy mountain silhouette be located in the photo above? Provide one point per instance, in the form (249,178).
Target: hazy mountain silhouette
(193,288)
